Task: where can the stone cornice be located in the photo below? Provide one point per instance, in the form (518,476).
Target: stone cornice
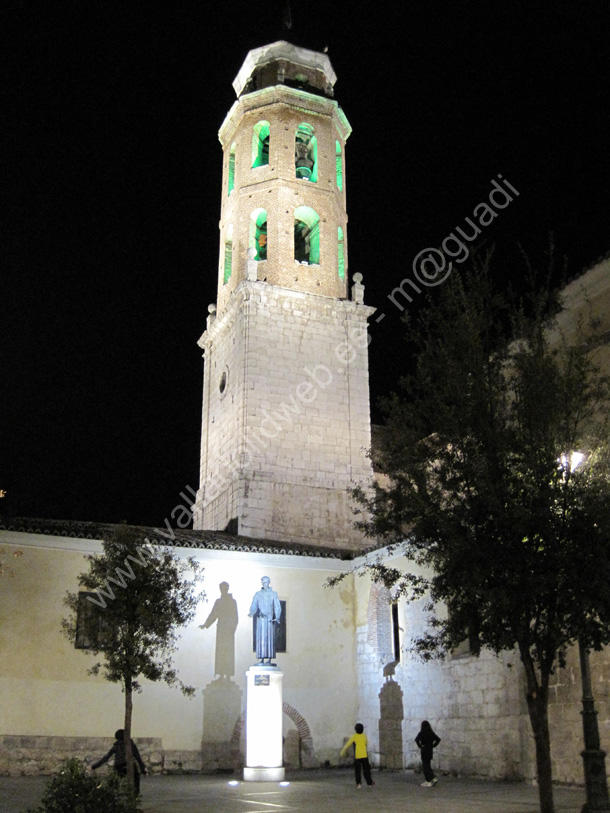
(301,100)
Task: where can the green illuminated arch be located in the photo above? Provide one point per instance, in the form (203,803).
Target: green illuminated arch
(306,153)
(257,237)
(231,169)
(340,253)
(306,236)
(228,259)
(260,144)
(339,165)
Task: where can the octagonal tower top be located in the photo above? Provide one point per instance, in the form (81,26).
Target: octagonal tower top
(286,64)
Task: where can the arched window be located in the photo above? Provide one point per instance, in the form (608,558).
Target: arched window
(228,260)
(306,153)
(306,236)
(339,164)
(257,238)
(260,144)
(231,169)
(340,253)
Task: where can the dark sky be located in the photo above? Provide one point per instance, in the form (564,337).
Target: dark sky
(111,201)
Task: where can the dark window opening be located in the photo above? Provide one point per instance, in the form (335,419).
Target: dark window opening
(306,236)
(396,632)
(92,630)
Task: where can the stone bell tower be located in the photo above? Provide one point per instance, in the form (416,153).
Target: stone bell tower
(286,422)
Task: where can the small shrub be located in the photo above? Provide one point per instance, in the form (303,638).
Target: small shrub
(75,790)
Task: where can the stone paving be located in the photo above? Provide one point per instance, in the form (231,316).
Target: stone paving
(324,790)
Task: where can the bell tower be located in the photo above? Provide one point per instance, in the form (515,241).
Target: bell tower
(286,421)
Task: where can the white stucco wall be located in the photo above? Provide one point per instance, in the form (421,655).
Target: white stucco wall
(45,688)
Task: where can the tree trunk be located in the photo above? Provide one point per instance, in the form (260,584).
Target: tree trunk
(538,708)
(127,729)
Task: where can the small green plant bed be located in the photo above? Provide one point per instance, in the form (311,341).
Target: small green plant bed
(75,790)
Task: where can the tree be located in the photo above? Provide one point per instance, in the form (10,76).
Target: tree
(481,492)
(130,615)
(74,790)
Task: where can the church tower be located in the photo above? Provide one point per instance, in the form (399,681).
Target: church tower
(286,419)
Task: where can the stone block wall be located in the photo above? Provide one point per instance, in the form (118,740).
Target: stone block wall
(481,716)
(34,755)
(476,705)
(288,435)
(565,720)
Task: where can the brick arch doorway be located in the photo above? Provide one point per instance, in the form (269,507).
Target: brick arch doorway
(307,758)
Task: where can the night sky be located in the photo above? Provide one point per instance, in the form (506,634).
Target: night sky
(112,186)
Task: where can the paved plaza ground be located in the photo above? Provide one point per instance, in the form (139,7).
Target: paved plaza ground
(324,790)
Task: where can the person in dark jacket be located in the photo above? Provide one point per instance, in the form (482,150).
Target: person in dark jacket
(120,761)
(427,741)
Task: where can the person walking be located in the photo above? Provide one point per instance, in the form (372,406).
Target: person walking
(120,761)
(361,757)
(427,741)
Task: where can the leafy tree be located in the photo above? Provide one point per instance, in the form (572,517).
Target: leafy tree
(74,790)
(131,614)
(481,491)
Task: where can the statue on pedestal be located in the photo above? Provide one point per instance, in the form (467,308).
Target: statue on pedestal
(267,610)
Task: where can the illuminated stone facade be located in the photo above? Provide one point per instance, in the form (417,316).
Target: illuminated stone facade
(285,433)
(286,421)
(273,186)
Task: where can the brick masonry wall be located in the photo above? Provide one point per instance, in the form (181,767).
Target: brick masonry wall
(379,626)
(274,188)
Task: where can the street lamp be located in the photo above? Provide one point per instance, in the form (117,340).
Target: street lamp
(596,785)
(593,757)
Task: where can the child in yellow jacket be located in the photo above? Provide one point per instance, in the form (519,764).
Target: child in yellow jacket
(361,757)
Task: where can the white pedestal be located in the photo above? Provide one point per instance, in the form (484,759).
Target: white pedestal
(264,725)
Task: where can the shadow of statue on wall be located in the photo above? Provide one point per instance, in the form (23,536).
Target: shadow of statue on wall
(224,612)
(222,696)
(391,714)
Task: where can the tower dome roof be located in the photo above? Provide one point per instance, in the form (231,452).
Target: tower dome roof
(284,63)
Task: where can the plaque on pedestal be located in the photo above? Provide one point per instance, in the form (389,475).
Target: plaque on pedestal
(264,724)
